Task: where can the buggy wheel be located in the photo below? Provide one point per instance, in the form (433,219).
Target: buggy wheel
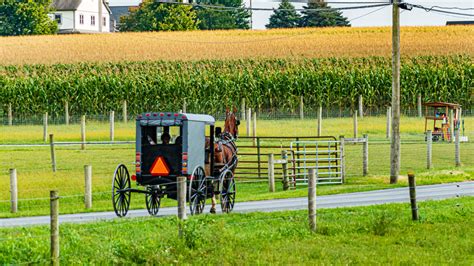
(197,191)
(153,200)
(121,190)
(227,191)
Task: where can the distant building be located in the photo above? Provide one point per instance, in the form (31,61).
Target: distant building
(120,11)
(465,22)
(82,16)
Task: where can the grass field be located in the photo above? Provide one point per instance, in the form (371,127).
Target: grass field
(197,45)
(381,234)
(35,178)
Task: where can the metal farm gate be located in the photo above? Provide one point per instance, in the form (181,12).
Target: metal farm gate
(253,154)
(323,155)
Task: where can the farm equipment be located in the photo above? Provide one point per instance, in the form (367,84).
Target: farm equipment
(160,159)
(440,111)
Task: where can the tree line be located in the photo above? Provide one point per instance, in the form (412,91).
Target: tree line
(25,17)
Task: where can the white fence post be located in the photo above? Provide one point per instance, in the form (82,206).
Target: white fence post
(320,118)
(45,127)
(254,128)
(13,191)
(389,116)
(66,112)
(271,173)
(419,106)
(124,111)
(88,186)
(53,152)
(249,120)
(112,125)
(312,199)
(301,107)
(361,107)
(365,156)
(343,158)
(83,132)
(457,148)
(355,124)
(429,143)
(242,109)
(10,115)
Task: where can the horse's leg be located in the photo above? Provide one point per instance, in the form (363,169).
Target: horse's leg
(213,202)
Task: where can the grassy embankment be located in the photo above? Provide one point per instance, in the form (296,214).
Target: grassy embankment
(381,234)
(35,178)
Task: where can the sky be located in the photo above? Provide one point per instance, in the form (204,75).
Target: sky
(382,17)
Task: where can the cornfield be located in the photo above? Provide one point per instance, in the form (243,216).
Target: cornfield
(209,85)
(235,44)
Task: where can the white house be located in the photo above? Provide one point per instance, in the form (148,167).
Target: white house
(82,16)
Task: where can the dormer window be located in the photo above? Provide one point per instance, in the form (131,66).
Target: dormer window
(58,18)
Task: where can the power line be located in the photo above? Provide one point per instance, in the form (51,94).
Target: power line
(429,9)
(273,9)
(373,11)
(452,7)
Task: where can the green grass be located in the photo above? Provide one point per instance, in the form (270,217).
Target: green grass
(35,177)
(381,234)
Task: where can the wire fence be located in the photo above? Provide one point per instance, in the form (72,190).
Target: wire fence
(309,112)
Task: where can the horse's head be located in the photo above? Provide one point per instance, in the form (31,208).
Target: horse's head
(231,124)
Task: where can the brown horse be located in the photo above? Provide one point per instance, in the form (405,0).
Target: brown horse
(225,151)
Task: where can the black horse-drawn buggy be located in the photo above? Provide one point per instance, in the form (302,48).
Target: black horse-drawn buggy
(160,158)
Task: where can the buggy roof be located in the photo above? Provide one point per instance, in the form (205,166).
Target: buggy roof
(442,104)
(207,119)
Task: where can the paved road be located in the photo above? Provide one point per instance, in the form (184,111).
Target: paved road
(431,192)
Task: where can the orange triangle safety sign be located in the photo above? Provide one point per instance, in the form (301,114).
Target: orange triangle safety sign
(159,167)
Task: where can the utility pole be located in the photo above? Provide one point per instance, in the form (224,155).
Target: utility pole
(395,141)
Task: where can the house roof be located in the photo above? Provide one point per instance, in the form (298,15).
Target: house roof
(67,5)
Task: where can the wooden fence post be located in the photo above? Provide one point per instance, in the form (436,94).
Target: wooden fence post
(355,124)
(254,128)
(242,109)
(182,197)
(13,191)
(301,108)
(312,199)
(389,122)
(249,120)
(66,112)
(320,120)
(429,153)
(112,125)
(124,111)
(45,127)
(284,166)
(10,115)
(457,148)
(88,186)
(83,132)
(414,207)
(343,158)
(53,152)
(271,173)
(419,106)
(184,106)
(361,107)
(365,156)
(54,200)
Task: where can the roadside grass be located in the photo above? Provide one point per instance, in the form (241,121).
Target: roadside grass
(35,178)
(382,234)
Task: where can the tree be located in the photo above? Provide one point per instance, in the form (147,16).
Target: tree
(213,18)
(155,16)
(24,17)
(328,17)
(284,17)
